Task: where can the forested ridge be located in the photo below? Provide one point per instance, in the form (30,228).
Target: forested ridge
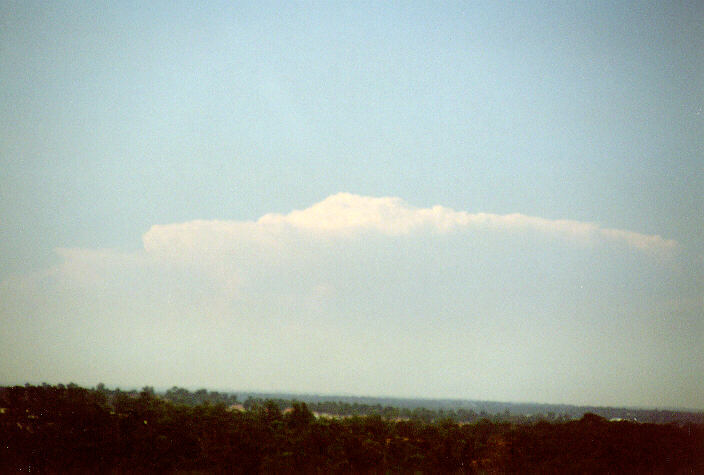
(73,429)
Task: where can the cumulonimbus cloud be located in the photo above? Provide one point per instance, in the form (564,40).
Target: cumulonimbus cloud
(345,215)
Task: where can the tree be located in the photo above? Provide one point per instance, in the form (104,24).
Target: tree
(299,416)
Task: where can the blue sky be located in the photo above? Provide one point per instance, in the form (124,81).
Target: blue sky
(153,157)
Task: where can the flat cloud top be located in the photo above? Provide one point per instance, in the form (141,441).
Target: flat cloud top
(344,215)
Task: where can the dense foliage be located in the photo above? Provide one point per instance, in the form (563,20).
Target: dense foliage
(58,428)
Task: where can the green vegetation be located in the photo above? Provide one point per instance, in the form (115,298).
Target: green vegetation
(68,428)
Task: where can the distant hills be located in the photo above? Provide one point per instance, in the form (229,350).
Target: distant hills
(495,410)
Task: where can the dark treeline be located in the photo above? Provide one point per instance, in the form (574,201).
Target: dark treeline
(72,429)
(201,396)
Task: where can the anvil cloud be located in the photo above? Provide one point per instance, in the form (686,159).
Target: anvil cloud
(359,294)
(345,215)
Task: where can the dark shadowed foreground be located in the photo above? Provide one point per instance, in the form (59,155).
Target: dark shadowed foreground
(71,429)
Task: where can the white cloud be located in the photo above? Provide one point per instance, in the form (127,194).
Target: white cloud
(345,215)
(363,295)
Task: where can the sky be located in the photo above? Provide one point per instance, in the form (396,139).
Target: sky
(481,200)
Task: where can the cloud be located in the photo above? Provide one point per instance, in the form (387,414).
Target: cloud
(365,295)
(345,215)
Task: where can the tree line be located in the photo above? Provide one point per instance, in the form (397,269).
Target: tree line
(73,429)
(431,410)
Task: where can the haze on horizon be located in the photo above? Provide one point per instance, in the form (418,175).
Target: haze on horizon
(475,201)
